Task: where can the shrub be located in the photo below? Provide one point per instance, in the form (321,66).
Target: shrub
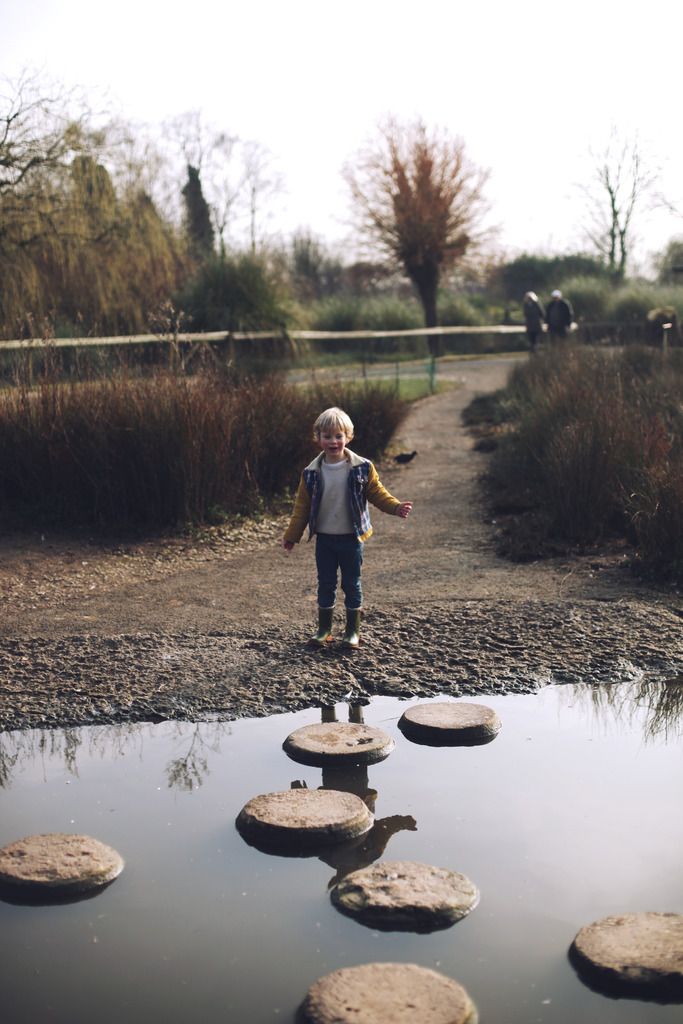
(458,311)
(589,296)
(632,303)
(655,507)
(349,313)
(235,293)
(166,449)
(595,447)
(374,313)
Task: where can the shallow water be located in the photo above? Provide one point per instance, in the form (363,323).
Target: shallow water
(572,813)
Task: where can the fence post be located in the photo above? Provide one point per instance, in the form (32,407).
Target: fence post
(431,369)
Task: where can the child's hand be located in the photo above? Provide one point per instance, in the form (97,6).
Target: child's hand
(404,509)
(288,545)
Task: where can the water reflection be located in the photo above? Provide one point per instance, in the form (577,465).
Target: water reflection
(366,849)
(656,707)
(197,926)
(328,712)
(186,772)
(189,771)
(40,896)
(38,745)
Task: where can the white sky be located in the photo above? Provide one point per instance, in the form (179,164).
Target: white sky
(530,87)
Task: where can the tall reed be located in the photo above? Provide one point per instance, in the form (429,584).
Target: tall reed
(596,447)
(167,448)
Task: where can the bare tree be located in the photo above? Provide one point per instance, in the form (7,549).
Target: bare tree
(621,184)
(261,181)
(211,152)
(420,201)
(39,138)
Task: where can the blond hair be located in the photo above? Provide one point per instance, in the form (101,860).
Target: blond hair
(333,419)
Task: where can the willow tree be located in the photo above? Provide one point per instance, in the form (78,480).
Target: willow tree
(420,201)
(76,245)
(38,140)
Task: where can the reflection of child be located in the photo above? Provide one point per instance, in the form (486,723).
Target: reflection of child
(366,849)
(332,500)
(361,852)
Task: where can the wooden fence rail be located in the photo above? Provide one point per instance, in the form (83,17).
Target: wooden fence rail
(19,344)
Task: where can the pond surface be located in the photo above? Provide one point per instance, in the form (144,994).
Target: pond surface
(572,813)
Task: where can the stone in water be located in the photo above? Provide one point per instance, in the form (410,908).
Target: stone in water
(337,744)
(395,993)
(450,725)
(304,818)
(59,862)
(637,953)
(406,896)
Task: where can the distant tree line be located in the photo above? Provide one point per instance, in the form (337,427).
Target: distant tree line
(105,232)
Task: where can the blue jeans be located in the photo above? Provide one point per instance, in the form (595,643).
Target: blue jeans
(335,551)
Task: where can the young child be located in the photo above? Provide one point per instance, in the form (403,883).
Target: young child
(332,500)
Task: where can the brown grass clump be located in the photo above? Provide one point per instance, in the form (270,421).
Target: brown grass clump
(167,448)
(592,450)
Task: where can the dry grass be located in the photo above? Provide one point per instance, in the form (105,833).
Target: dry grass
(167,448)
(593,450)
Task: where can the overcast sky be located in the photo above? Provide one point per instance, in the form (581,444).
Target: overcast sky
(531,87)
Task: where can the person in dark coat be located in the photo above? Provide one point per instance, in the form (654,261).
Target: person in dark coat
(558,316)
(534,317)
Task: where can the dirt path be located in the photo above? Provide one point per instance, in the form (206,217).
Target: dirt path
(217,624)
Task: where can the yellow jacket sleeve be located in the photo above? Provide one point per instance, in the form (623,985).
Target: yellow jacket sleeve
(299,518)
(378,495)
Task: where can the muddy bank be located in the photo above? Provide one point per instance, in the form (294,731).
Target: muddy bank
(463,648)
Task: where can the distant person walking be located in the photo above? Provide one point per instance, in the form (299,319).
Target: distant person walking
(534,318)
(558,316)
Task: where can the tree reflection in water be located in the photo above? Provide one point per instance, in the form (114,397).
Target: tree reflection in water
(20,749)
(189,771)
(656,705)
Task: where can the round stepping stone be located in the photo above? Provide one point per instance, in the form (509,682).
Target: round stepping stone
(450,725)
(400,993)
(59,862)
(404,895)
(338,744)
(633,951)
(303,818)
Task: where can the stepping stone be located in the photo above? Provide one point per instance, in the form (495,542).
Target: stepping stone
(59,862)
(338,744)
(450,725)
(637,952)
(303,819)
(403,895)
(396,993)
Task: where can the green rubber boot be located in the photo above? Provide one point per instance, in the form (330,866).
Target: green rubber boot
(351,638)
(324,634)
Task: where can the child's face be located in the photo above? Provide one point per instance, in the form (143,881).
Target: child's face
(333,442)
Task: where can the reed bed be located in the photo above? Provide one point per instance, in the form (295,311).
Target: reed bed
(165,449)
(593,449)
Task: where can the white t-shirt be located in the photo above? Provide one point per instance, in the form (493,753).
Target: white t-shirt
(334,514)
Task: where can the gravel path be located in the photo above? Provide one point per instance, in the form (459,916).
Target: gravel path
(216,624)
